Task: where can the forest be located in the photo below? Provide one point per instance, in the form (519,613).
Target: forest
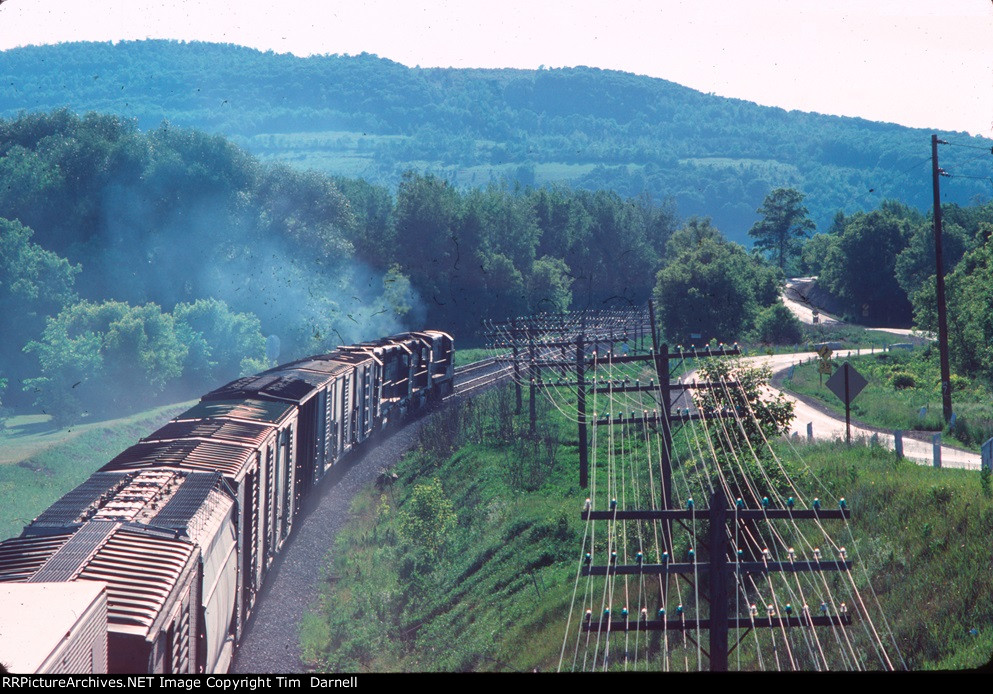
(591,129)
(144,267)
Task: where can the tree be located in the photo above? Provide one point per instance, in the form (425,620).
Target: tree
(34,283)
(104,358)
(860,269)
(711,287)
(549,285)
(221,344)
(784,221)
(776,325)
(969,298)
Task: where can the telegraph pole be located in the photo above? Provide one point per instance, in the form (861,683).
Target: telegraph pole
(946,384)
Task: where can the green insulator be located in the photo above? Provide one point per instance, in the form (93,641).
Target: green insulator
(817,504)
(613,504)
(790,503)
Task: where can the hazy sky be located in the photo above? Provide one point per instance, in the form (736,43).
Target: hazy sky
(923,63)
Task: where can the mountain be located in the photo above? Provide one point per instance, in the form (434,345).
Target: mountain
(364,116)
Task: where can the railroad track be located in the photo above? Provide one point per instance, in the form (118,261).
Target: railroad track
(474,377)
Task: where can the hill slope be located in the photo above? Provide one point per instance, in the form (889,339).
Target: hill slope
(368,116)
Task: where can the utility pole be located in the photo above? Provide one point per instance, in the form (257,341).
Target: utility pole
(946,384)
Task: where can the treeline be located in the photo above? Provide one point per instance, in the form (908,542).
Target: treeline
(593,129)
(143,265)
(138,265)
(880,268)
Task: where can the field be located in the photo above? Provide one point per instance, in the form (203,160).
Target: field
(40,463)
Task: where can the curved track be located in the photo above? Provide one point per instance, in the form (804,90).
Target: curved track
(271,642)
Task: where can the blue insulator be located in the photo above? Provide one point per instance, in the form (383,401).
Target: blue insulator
(606,612)
(613,557)
(824,607)
(588,558)
(789,609)
(665,557)
(613,504)
(589,615)
(817,504)
(624,612)
(679,609)
(691,553)
(765,502)
(739,502)
(790,503)
(639,557)
(741,553)
(661,613)
(689,503)
(842,503)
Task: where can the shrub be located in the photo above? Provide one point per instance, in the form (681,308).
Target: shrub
(776,325)
(902,380)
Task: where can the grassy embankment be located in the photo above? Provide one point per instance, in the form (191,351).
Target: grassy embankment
(900,384)
(38,464)
(495,594)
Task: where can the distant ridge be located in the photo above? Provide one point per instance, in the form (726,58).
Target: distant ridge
(371,117)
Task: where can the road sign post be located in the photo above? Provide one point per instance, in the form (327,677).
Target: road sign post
(847,383)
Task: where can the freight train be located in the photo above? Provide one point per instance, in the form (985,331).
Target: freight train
(154,564)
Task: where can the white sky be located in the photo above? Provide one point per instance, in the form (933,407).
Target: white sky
(922,63)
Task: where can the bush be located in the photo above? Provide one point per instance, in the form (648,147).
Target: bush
(776,325)
(902,380)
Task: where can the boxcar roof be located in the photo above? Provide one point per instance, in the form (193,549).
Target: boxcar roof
(250,433)
(251,409)
(141,568)
(231,460)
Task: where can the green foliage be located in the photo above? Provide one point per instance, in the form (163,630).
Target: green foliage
(900,384)
(969,299)
(33,283)
(762,416)
(549,289)
(427,518)
(776,325)
(104,357)
(711,287)
(902,379)
(784,221)
(594,129)
(221,345)
(860,267)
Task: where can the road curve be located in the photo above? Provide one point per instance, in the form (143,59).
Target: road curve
(829,426)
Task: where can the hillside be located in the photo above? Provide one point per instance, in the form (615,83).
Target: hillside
(370,117)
